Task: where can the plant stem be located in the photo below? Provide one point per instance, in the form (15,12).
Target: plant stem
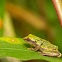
(58,7)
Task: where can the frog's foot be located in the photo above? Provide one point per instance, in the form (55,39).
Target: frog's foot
(39,52)
(35,49)
(30,48)
(42,54)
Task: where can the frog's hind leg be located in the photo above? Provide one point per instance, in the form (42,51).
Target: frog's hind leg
(51,55)
(43,54)
(35,49)
(59,55)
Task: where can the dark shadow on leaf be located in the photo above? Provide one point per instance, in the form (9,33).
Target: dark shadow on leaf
(27,45)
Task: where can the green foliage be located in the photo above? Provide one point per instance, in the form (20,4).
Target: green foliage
(20,50)
(1,32)
(58,36)
(2,3)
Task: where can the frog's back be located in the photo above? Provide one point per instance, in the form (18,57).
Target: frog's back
(41,42)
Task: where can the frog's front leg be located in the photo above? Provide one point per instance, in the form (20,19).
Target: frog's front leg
(35,49)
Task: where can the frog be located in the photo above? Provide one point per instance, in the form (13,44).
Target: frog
(42,46)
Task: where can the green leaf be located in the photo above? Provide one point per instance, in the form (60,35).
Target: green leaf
(17,47)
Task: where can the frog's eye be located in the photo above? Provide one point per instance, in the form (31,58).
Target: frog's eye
(28,39)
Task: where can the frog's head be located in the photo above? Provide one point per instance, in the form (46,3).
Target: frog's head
(30,39)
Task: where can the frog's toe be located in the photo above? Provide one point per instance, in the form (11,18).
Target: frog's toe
(39,52)
(30,48)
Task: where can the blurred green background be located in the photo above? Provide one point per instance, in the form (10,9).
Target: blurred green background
(21,17)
